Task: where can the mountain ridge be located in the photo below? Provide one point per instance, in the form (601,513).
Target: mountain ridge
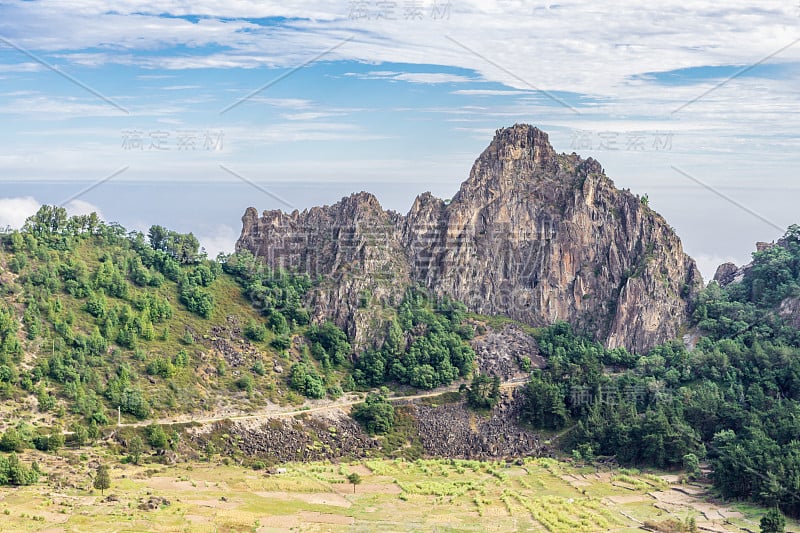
(531,234)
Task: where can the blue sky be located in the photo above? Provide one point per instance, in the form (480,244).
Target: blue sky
(210,107)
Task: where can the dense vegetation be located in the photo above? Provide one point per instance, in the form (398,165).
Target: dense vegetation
(483,392)
(111,318)
(424,346)
(733,400)
(13,472)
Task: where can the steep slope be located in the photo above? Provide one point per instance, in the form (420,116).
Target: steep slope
(93,319)
(531,234)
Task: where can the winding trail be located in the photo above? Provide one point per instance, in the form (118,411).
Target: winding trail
(277,412)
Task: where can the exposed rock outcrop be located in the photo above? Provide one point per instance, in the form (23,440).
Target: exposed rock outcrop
(728,273)
(499,352)
(454,431)
(353,244)
(153,503)
(532,235)
(319,437)
(450,430)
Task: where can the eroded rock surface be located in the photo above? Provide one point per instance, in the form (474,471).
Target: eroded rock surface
(500,352)
(312,438)
(454,431)
(450,430)
(531,234)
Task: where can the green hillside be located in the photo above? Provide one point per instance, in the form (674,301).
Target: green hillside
(109,319)
(94,318)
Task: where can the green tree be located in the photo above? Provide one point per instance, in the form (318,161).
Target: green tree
(691,465)
(304,379)
(376,414)
(156,436)
(484,392)
(187,338)
(93,431)
(80,435)
(133,401)
(245,383)
(332,339)
(102,479)
(48,220)
(773,521)
(158,237)
(278,323)
(354,479)
(255,331)
(395,343)
(543,404)
(281,342)
(13,472)
(135,449)
(51,442)
(12,441)
(210,451)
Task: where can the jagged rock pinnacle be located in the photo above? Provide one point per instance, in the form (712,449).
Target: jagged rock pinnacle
(531,234)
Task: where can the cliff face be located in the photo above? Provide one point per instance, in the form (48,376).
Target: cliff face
(531,234)
(354,245)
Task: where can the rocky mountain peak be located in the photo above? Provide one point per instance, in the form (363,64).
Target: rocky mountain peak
(519,163)
(521,141)
(362,202)
(531,234)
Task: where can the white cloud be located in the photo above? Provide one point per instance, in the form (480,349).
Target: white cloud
(412,77)
(490,92)
(14,211)
(309,116)
(557,48)
(82,207)
(47,108)
(221,239)
(20,67)
(432,77)
(284,103)
(180,87)
(296,131)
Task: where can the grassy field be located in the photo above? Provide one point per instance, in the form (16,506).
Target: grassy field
(425,495)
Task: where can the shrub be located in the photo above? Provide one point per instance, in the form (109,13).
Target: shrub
(376,414)
(255,331)
(156,436)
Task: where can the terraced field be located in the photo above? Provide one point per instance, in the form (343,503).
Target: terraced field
(427,495)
